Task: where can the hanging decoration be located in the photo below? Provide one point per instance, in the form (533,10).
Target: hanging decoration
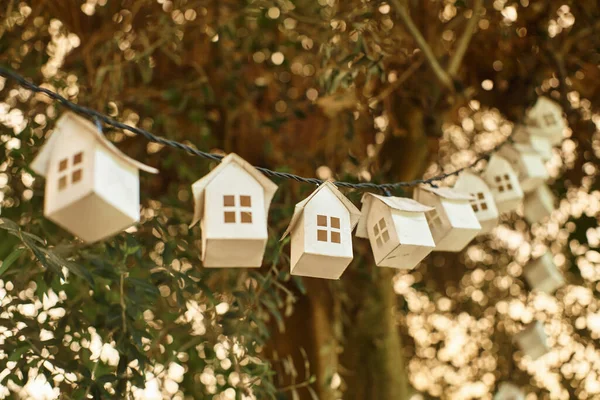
(92,188)
(528,163)
(321,233)
(482,202)
(232,204)
(543,275)
(453,222)
(545,119)
(538,204)
(509,391)
(504,182)
(397,229)
(540,144)
(532,340)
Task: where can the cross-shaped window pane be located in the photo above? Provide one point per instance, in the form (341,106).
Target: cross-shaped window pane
(381,233)
(549,119)
(503,182)
(479,203)
(328,229)
(237,208)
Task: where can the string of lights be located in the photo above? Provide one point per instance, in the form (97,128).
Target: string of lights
(102,118)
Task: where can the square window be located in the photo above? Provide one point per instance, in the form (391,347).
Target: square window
(335,222)
(475,208)
(376,230)
(382,223)
(63,164)
(229,217)
(509,186)
(506,177)
(501,188)
(321,220)
(385,236)
(62,182)
(76,177)
(77,158)
(484,206)
(335,237)
(228,201)
(245,201)
(480,196)
(246,217)
(379,242)
(321,236)
(498,179)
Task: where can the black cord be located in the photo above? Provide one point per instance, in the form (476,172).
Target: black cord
(99,117)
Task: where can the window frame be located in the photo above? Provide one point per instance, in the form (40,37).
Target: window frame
(237,209)
(70,170)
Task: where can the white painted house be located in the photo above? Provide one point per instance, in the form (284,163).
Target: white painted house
(482,202)
(543,275)
(528,163)
(545,119)
(532,340)
(504,183)
(397,229)
(232,204)
(541,144)
(92,188)
(538,204)
(453,222)
(321,232)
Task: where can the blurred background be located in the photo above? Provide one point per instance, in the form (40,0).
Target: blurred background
(353,90)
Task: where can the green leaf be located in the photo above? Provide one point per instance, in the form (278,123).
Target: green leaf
(16,355)
(10,259)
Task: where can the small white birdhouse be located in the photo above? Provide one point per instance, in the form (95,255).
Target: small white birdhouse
(532,340)
(321,230)
(528,163)
(545,119)
(508,391)
(543,275)
(92,189)
(538,204)
(540,144)
(397,229)
(232,204)
(482,203)
(504,183)
(452,222)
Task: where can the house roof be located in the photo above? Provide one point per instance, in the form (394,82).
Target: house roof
(201,184)
(498,160)
(543,103)
(396,203)
(299,209)
(41,163)
(461,185)
(447,193)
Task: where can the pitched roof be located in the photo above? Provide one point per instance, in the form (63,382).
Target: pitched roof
(201,184)
(41,163)
(299,209)
(447,193)
(397,203)
(544,103)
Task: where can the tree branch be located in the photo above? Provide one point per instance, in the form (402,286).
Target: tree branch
(465,39)
(439,72)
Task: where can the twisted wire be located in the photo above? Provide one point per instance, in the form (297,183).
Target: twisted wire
(99,118)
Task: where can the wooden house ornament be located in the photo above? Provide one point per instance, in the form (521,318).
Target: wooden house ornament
(397,230)
(232,204)
(504,183)
(482,200)
(532,340)
(92,188)
(321,233)
(538,204)
(528,164)
(545,119)
(508,391)
(543,275)
(540,144)
(452,221)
